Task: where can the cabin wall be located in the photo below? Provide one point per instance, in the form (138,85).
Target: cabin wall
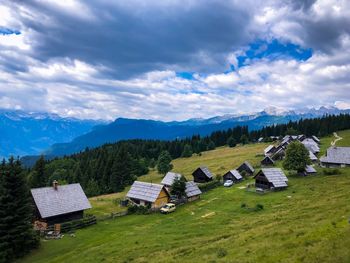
(64,218)
(162,199)
(193,198)
(200,177)
(262,182)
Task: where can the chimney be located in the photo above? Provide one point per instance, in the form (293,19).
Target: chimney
(55,185)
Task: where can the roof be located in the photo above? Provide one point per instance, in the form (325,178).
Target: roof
(260,139)
(313,147)
(145,191)
(312,156)
(315,139)
(310,169)
(192,189)
(236,174)
(269,148)
(275,176)
(206,171)
(170,177)
(337,155)
(309,141)
(249,166)
(268,158)
(66,199)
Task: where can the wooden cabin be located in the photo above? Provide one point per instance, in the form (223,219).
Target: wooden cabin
(336,157)
(169,179)
(279,154)
(246,167)
(202,175)
(192,191)
(233,175)
(148,194)
(309,170)
(269,150)
(271,178)
(267,161)
(313,157)
(59,203)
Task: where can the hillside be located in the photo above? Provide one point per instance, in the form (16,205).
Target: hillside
(308,222)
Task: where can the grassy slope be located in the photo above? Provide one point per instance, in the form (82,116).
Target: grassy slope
(306,223)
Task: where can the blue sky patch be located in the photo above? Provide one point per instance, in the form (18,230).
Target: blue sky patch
(8,31)
(185,75)
(274,50)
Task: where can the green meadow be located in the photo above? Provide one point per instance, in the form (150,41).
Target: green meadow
(308,222)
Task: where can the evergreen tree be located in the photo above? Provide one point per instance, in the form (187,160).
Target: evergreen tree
(121,170)
(38,178)
(211,146)
(164,163)
(178,187)
(244,139)
(92,188)
(297,157)
(231,142)
(17,236)
(187,152)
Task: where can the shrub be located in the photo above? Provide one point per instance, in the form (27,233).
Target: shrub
(331,171)
(243,205)
(259,207)
(208,186)
(140,210)
(221,252)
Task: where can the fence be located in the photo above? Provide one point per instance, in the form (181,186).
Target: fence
(88,220)
(113,215)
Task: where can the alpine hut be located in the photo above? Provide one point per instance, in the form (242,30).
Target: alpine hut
(192,191)
(267,161)
(271,178)
(148,194)
(202,175)
(246,167)
(309,170)
(336,157)
(233,175)
(59,203)
(169,179)
(269,150)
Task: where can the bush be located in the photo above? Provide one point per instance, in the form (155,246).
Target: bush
(331,171)
(208,186)
(221,252)
(259,207)
(140,210)
(243,205)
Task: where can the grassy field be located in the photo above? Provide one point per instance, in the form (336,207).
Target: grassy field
(308,222)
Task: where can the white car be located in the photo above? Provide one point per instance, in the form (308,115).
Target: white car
(228,183)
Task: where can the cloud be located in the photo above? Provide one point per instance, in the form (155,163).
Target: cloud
(169,60)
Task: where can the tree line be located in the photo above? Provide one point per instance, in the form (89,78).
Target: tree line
(112,167)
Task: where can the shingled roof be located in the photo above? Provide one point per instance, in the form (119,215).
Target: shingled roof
(268,149)
(170,177)
(337,155)
(275,176)
(192,189)
(236,174)
(310,169)
(312,156)
(247,164)
(206,171)
(145,191)
(66,199)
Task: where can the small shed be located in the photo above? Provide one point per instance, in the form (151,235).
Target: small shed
(312,157)
(261,139)
(267,161)
(192,191)
(310,169)
(269,150)
(148,194)
(202,175)
(233,175)
(316,139)
(169,179)
(59,203)
(336,157)
(279,154)
(271,178)
(246,167)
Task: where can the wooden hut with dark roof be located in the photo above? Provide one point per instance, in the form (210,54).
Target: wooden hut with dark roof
(233,175)
(267,161)
(192,191)
(59,203)
(148,194)
(202,175)
(246,167)
(271,178)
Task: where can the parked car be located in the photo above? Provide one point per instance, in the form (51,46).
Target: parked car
(168,208)
(228,183)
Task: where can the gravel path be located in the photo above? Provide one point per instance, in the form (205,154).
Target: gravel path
(338,138)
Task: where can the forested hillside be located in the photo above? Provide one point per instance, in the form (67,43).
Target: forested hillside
(111,167)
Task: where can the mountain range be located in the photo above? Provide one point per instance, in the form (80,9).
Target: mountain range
(25,133)
(29,133)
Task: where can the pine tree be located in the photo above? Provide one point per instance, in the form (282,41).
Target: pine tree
(187,152)
(17,236)
(38,175)
(231,142)
(121,170)
(164,163)
(178,187)
(211,146)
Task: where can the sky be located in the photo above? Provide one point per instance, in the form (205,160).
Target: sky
(173,60)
